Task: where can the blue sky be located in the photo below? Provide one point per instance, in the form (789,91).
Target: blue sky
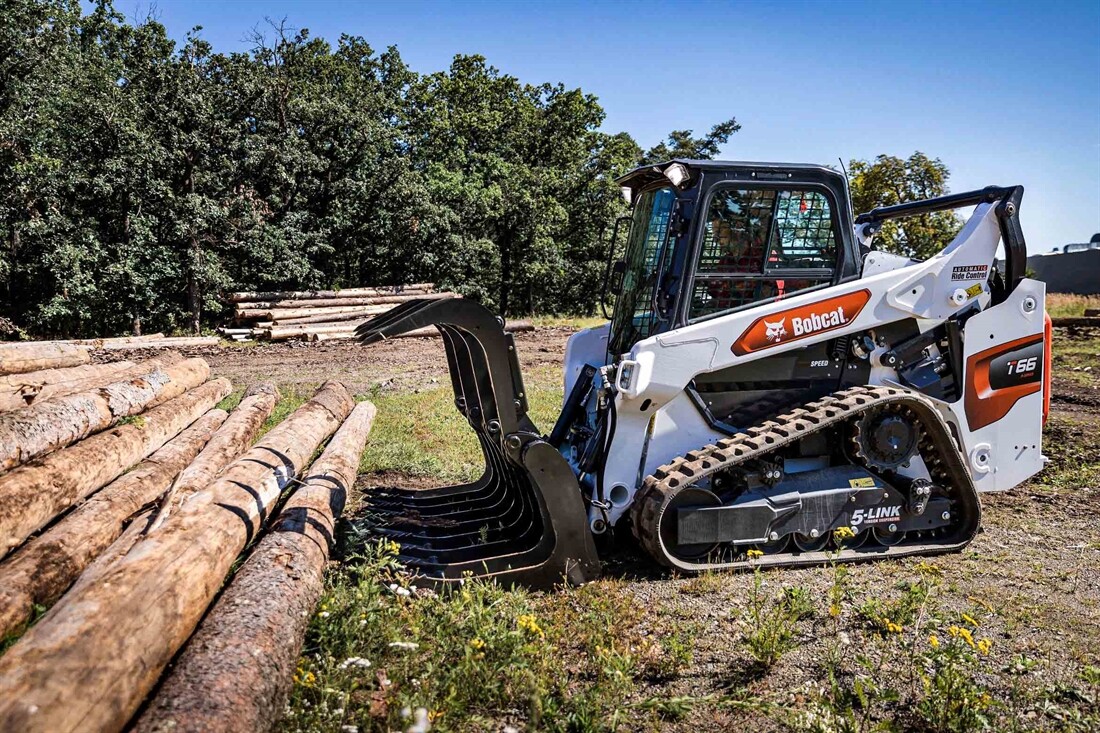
(1005,93)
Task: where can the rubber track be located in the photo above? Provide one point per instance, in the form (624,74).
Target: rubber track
(937,448)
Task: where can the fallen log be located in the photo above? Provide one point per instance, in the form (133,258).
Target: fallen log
(287,333)
(279,314)
(233,439)
(52,424)
(274,305)
(36,355)
(22,390)
(40,571)
(114,340)
(369,292)
(426,332)
(175,342)
(35,493)
(90,660)
(235,672)
(358,314)
(1092,312)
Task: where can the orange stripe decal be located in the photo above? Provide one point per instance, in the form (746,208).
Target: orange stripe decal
(795,324)
(999,376)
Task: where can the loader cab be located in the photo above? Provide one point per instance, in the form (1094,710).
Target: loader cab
(707,238)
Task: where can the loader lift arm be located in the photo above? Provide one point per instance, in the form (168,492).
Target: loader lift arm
(1008,210)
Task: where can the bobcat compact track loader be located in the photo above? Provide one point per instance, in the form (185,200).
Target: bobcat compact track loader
(765,380)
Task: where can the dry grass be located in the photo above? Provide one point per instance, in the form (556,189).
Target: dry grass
(1062,305)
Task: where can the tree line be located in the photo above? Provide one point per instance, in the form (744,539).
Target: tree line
(140,179)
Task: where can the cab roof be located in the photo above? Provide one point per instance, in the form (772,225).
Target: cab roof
(771,171)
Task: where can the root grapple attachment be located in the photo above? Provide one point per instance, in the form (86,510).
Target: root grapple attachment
(523,521)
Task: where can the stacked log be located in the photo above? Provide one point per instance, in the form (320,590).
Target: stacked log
(301,316)
(90,661)
(123,522)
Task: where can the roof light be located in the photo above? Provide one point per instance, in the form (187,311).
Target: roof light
(628,193)
(677,173)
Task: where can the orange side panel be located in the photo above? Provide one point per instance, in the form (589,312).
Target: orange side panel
(985,405)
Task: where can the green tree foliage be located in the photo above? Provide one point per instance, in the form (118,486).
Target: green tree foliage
(681,144)
(140,179)
(889,180)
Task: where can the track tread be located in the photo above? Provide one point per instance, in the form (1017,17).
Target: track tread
(939,451)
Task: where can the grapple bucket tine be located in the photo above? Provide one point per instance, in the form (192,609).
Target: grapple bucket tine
(392,322)
(524,520)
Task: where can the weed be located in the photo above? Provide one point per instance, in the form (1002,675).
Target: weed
(953,701)
(893,616)
(770,624)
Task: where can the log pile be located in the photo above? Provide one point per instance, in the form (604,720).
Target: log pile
(316,315)
(127,504)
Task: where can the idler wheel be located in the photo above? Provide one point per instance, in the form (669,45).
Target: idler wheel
(691,497)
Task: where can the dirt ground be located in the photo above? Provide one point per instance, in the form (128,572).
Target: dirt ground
(1030,580)
(399,364)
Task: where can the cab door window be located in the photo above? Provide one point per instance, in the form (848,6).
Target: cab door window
(762,244)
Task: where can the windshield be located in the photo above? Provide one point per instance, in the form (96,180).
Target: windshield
(634,318)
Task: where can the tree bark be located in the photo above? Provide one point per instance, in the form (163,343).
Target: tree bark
(247,296)
(293,303)
(165,343)
(47,426)
(47,565)
(22,390)
(33,494)
(90,661)
(36,355)
(233,439)
(235,672)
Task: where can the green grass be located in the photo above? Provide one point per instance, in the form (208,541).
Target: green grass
(480,656)
(423,434)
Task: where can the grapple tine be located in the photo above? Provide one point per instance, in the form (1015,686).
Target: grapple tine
(389,323)
(523,521)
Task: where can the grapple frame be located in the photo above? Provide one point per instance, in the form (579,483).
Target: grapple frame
(523,521)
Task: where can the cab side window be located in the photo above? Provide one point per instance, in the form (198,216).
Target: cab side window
(760,244)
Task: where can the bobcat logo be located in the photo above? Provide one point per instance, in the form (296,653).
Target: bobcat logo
(776,331)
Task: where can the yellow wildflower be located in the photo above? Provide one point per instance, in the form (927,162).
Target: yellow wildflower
(984,645)
(934,641)
(892,627)
(966,636)
(953,630)
(528,623)
(834,610)
(843,533)
(477,643)
(753,554)
(970,620)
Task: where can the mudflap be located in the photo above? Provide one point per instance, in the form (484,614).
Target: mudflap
(523,522)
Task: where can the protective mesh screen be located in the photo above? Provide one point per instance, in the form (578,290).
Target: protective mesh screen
(751,237)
